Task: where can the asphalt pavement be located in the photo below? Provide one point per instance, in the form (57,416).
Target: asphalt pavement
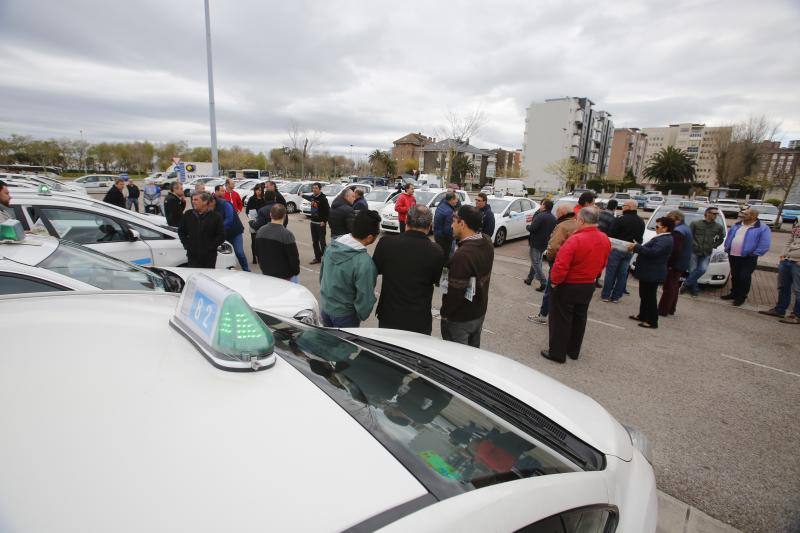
(715,388)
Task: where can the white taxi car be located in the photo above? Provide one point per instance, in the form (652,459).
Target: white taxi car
(121,233)
(48,182)
(332,191)
(95,182)
(428,197)
(293,192)
(378,198)
(38,264)
(511,215)
(218,419)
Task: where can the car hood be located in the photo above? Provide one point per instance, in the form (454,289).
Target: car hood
(263,293)
(574,411)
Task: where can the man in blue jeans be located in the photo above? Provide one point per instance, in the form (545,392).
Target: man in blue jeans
(788,280)
(628,227)
(707,234)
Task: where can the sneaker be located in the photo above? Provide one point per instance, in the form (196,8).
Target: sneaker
(772,312)
(315,262)
(791,319)
(606,299)
(614,301)
(538,319)
(541,288)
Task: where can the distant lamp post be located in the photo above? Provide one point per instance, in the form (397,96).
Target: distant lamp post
(211,111)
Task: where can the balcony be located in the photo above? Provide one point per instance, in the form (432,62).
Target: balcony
(579,117)
(576,140)
(575,152)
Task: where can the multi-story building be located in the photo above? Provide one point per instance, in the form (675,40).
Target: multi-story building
(627,154)
(564,128)
(794,144)
(507,162)
(409,146)
(778,166)
(697,140)
(435,158)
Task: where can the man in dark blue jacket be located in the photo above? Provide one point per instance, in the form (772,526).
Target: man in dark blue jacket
(747,240)
(234,229)
(539,230)
(678,265)
(482,203)
(443,222)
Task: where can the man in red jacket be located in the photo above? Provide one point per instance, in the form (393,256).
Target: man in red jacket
(403,204)
(578,263)
(233,196)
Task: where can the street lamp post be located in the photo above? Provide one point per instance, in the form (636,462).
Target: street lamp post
(211,112)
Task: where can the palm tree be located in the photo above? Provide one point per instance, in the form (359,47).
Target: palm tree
(460,166)
(670,165)
(382,163)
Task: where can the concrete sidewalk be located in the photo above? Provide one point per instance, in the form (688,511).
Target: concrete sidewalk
(674,516)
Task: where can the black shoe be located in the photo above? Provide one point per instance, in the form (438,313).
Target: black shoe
(728,296)
(527,281)
(546,355)
(772,312)
(541,288)
(315,262)
(625,291)
(738,303)
(683,289)
(573,357)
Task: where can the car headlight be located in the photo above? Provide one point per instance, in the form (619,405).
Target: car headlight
(307,316)
(719,257)
(640,442)
(225,248)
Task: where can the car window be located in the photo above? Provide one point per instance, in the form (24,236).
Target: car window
(377,196)
(423,197)
(450,444)
(100,270)
(792,207)
(83,227)
(584,520)
(17,284)
(516,206)
(439,198)
(498,205)
(527,205)
(147,234)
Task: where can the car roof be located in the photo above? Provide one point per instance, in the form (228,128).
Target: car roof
(149,435)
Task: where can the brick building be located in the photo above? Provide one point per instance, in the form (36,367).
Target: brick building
(409,146)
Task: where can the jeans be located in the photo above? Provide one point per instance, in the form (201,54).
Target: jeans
(742,269)
(468,332)
(132,202)
(536,271)
(347,321)
(697,268)
(788,282)
(544,310)
(616,279)
(237,241)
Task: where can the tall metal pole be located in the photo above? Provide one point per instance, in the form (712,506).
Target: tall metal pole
(211,112)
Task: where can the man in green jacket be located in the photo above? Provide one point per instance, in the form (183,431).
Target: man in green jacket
(707,234)
(347,276)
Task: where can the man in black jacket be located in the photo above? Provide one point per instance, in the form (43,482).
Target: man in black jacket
(114,195)
(342,214)
(276,247)
(540,229)
(410,264)
(133,196)
(174,204)
(201,231)
(319,218)
(270,186)
(630,228)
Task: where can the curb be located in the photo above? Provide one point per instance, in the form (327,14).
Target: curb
(767,268)
(674,516)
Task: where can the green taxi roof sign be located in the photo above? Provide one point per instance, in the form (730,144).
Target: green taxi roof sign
(11,230)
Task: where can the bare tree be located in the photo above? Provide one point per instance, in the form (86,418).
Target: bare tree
(460,128)
(737,154)
(301,143)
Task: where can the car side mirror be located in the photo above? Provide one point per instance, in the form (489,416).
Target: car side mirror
(133,235)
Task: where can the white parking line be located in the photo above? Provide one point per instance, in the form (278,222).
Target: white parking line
(309,269)
(762,366)
(589,319)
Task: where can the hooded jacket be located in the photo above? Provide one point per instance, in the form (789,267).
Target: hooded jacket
(341,216)
(347,279)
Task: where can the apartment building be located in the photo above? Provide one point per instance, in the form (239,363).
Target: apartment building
(435,159)
(778,165)
(507,162)
(409,146)
(698,140)
(794,144)
(561,128)
(628,147)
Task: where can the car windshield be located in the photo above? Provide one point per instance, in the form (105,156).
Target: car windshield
(498,205)
(450,444)
(423,197)
(377,196)
(333,189)
(688,215)
(289,188)
(100,270)
(622,196)
(792,207)
(673,201)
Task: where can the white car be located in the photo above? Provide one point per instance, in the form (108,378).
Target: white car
(428,197)
(378,198)
(729,207)
(766,213)
(208,181)
(332,191)
(290,427)
(134,237)
(570,201)
(511,215)
(620,197)
(654,201)
(718,269)
(40,263)
(95,182)
(293,192)
(51,183)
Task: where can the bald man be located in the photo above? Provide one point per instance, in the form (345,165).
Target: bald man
(628,227)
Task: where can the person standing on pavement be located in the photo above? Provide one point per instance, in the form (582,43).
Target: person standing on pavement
(114,195)
(133,196)
(201,232)
(276,248)
(232,196)
(404,202)
(319,218)
(443,223)
(677,266)
(540,229)
(607,217)
(707,234)
(410,265)
(465,295)
(628,227)
(254,203)
(578,263)
(175,204)
(651,270)
(566,225)
(234,229)
(342,214)
(747,240)
(788,279)
(482,203)
(347,275)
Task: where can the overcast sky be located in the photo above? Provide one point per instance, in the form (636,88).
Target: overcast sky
(366,73)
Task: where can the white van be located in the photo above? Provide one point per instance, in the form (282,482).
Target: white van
(509,187)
